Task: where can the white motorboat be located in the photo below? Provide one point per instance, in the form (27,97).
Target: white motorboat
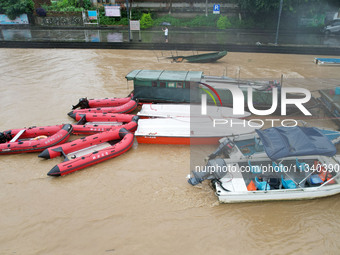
(250,145)
(186,110)
(295,168)
(183,130)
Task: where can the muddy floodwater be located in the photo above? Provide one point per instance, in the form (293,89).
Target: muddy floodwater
(140,202)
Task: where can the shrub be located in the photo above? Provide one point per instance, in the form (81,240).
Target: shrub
(14,8)
(146,20)
(223,22)
(122,21)
(203,21)
(175,22)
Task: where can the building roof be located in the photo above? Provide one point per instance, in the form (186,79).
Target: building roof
(164,75)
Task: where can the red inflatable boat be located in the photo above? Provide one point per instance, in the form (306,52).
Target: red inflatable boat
(130,106)
(102,117)
(105,102)
(82,160)
(90,129)
(33,139)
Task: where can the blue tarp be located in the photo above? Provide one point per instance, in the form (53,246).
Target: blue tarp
(280,142)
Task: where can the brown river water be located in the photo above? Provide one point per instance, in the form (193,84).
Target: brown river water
(140,202)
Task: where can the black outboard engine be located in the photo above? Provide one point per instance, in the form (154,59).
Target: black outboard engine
(5,137)
(215,169)
(225,147)
(83,103)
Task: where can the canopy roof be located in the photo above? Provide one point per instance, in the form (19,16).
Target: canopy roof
(280,142)
(164,75)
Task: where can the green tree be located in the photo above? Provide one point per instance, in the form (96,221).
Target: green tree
(223,22)
(266,6)
(146,20)
(14,8)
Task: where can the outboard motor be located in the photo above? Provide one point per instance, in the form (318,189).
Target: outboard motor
(83,103)
(215,169)
(225,147)
(5,137)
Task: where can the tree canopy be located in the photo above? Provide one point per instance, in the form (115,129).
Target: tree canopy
(13,8)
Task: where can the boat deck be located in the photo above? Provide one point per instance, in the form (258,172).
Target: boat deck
(237,181)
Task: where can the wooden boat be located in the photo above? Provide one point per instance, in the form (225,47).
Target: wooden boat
(251,146)
(128,107)
(327,61)
(105,102)
(201,58)
(188,131)
(186,110)
(90,128)
(330,100)
(89,151)
(33,139)
(295,169)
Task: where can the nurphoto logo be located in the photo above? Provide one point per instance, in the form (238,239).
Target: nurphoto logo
(239,104)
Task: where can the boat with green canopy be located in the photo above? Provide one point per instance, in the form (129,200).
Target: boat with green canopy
(188,86)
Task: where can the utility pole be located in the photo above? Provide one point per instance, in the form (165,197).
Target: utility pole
(128,17)
(278,23)
(206,8)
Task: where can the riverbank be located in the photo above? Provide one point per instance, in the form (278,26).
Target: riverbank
(118,37)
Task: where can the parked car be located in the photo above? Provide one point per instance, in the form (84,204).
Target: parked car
(332,27)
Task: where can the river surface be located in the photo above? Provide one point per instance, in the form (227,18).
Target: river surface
(140,202)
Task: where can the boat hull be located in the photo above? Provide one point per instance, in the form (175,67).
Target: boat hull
(103,117)
(95,157)
(125,108)
(233,187)
(177,140)
(201,58)
(96,128)
(34,131)
(80,144)
(37,145)
(104,102)
(188,130)
(279,195)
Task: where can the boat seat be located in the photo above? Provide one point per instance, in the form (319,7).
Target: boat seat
(16,137)
(258,144)
(288,184)
(261,185)
(254,169)
(278,167)
(273,181)
(301,165)
(315,180)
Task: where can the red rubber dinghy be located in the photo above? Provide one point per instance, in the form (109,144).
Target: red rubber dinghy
(105,102)
(124,108)
(102,117)
(88,129)
(33,139)
(79,162)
